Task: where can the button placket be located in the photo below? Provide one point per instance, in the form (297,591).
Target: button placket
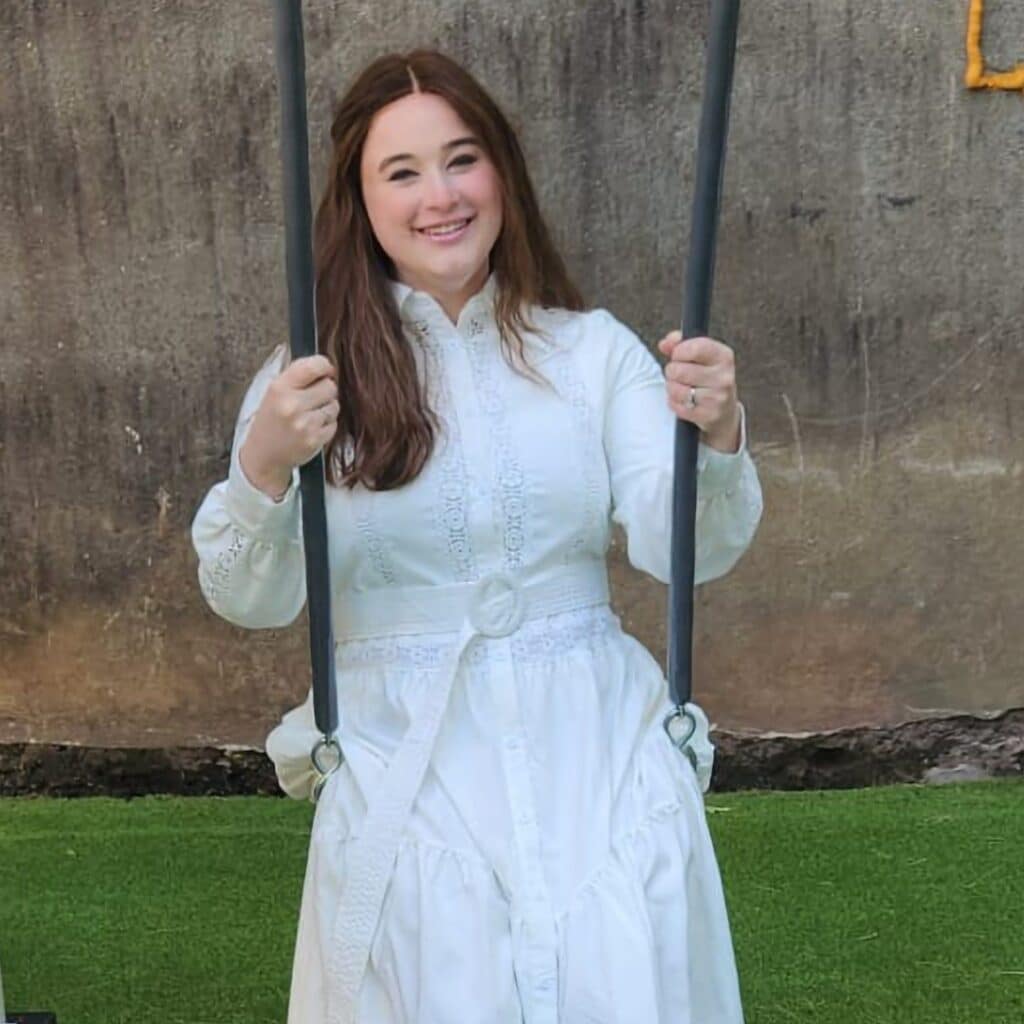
(472,423)
(540,953)
(496,611)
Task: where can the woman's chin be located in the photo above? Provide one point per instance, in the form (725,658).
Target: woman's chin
(457,271)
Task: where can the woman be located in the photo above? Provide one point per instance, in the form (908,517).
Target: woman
(511,837)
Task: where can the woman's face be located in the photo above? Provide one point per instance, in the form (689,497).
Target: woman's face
(422,171)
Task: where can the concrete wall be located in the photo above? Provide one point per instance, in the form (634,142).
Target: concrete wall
(869,279)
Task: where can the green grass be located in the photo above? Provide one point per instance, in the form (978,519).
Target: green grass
(901,905)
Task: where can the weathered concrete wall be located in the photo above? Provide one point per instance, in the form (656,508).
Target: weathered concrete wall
(869,278)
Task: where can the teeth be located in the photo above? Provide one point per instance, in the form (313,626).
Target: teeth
(448,230)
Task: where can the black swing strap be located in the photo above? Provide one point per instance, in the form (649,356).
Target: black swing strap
(291,73)
(714,121)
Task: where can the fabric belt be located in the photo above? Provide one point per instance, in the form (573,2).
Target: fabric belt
(494,606)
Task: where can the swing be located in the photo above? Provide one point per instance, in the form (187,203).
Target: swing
(370,861)
(684,722)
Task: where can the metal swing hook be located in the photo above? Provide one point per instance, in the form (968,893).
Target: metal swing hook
(325,743)
(681,737)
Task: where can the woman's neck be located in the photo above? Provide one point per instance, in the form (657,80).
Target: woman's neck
(452,299)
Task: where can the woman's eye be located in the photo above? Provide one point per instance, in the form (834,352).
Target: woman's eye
(466,160)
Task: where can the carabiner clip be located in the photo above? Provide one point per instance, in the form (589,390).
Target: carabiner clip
(681,740)
(324,773)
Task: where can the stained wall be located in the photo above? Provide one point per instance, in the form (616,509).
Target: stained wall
(869,278)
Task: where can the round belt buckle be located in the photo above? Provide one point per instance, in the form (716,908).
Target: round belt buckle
(497,607)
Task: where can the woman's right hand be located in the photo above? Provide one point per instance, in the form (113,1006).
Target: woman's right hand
(296,418)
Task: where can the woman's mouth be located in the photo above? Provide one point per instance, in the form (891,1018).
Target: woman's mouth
(449,231)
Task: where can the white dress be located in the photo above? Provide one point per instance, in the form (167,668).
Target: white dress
(512,837)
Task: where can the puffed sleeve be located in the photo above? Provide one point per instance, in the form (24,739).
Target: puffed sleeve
(251,561)
(639,436)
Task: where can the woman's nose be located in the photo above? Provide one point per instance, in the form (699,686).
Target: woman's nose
(441,191)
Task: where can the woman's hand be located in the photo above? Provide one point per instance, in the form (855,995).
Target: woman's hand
(296,418)
(700,378)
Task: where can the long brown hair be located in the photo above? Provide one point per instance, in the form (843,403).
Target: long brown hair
(386,430)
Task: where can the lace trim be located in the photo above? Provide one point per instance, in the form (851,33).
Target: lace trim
(215,577)
(450,515)
(375,549)
(571,387)
(537,640)
(509,479)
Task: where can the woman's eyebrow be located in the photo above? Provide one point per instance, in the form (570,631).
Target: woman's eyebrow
(408,156)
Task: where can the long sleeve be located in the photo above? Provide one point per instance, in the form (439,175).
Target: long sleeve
(251,562)
(639,436)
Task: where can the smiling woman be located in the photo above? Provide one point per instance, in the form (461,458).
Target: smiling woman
(511,835)
(437,210)
(418,145)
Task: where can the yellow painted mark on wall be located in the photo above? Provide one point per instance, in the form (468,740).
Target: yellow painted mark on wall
(977,75)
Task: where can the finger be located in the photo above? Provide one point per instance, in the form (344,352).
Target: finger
(294,405)
(320,425)
(699,415)
(669,342)
(330,426)
(308,370)
(300,401)
(696,375)
(706,351)
(320,393)
(325,433)
(710,402)
(679,395)
(321,415)
(331,411)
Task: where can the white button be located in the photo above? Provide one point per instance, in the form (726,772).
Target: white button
(497,607)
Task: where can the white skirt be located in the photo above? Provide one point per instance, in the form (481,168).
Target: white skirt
(556,866)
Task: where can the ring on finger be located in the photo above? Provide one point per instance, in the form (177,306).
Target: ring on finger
(692,401)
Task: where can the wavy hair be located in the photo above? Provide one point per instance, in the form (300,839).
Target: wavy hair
(386,429)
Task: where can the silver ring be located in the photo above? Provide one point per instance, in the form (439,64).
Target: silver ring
(691,402)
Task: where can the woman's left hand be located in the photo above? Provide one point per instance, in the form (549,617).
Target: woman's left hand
(700,379)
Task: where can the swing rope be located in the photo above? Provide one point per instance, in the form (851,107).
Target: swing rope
(326,754)
(681,723)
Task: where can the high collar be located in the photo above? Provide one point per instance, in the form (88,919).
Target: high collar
(415,305)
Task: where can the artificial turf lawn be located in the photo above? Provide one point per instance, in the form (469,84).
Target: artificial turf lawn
(902,905)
